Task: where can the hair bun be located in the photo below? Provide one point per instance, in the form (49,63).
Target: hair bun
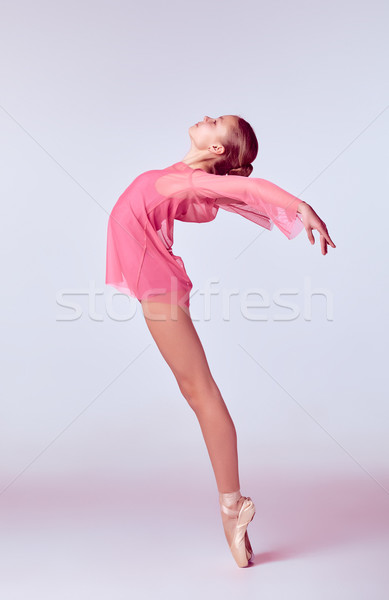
(243,171)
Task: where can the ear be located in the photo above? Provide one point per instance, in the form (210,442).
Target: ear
(216,149)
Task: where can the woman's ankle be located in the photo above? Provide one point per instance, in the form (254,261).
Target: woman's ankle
(230,499)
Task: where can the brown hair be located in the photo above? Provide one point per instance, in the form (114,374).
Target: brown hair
(241,149)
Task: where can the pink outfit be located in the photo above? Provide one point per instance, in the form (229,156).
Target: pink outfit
(140,261)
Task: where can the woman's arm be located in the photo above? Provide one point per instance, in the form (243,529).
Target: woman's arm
(247,190)
(258,199)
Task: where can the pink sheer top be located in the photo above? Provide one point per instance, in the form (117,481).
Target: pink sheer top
(140,261)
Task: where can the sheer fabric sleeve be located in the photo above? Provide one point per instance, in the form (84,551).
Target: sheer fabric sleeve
(258,200)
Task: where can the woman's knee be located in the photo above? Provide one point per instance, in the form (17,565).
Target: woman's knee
(198,392)
(181,348)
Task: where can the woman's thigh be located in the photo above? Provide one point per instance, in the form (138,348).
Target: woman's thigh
(177,339)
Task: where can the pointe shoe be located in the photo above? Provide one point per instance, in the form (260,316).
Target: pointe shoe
(250,553)
(240,546)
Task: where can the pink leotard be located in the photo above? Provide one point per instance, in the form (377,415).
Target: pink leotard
(140,261)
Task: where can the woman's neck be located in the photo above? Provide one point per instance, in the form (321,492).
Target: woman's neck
(197,160)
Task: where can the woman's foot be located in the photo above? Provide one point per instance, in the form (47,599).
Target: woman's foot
(237,511)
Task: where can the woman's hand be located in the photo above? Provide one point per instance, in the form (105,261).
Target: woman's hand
(312,221)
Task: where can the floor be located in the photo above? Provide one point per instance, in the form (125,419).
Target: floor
(314,536)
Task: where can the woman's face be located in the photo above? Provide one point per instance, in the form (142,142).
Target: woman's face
(211,131)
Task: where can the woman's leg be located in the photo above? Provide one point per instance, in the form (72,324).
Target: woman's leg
(176,337)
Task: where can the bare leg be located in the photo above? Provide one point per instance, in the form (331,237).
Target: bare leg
(177,339)
(173,331)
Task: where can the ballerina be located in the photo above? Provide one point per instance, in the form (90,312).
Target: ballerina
(140,262)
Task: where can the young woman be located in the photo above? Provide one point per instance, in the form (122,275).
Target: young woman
(140,263)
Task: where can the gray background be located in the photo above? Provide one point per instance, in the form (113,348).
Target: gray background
(106,485)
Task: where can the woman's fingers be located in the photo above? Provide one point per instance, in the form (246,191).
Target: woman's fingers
(329,240)
(326,236)
(310,235)
(323,243)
